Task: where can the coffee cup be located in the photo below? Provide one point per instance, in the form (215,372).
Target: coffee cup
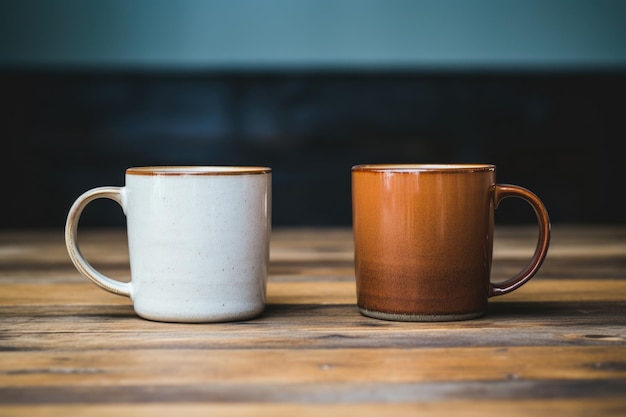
(423,239)
(198,241)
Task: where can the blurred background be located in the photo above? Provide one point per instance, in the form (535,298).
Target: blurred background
(311,88)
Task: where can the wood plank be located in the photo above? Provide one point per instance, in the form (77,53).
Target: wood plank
(248,365)
(521,408)
(308,326)
(319,393)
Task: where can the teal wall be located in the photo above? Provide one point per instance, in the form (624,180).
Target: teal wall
(327,34)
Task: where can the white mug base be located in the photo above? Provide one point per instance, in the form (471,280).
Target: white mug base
(214,317)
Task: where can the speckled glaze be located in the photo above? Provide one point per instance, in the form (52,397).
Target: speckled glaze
(198,241)
(423,237)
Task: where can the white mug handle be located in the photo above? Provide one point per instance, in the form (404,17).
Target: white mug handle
(71,239)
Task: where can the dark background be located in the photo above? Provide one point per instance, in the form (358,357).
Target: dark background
(73,119)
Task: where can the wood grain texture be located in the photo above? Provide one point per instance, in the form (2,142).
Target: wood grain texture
(555,347)
(520,408)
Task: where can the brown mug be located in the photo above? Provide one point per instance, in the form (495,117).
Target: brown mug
(423,240)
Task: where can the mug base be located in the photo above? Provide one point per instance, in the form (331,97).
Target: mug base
(201,318)
(419,317)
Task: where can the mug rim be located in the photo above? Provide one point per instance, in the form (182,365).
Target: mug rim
(156,170)
(434,167)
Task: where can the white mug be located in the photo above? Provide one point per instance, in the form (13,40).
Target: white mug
(198,240)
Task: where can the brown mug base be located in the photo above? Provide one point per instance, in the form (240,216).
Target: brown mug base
(419,317)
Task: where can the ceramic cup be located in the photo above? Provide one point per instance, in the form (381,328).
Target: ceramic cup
(423,237)
(198,240)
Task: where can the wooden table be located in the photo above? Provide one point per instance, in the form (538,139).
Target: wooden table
(556,347)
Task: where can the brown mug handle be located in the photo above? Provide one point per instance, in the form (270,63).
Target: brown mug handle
(501,192)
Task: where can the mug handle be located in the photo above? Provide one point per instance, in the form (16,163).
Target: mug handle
(503,191)
(71,239)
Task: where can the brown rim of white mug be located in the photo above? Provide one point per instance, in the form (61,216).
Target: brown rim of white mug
(198,170)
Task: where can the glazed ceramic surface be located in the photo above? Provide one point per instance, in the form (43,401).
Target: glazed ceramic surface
(423,237)
(198,241)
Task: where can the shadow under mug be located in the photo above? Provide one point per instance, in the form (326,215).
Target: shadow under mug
(198,239)
(423,240)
